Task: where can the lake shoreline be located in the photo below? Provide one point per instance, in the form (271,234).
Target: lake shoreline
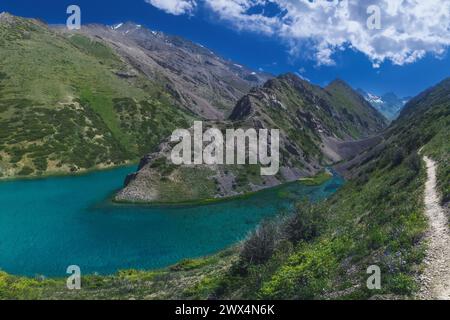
(79,173)
(316,180)
(105,237)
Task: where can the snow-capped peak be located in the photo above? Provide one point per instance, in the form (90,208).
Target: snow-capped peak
(117,26)
(388,104)
(373,98)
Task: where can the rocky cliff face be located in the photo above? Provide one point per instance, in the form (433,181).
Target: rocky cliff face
(318,126)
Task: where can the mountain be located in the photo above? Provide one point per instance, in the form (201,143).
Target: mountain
(422,122)
(65,106)
(324,251)
(425,120)
(199,80)
(388,104)
(318,126)
(377,218)
(102,96)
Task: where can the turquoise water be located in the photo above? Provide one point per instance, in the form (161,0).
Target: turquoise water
(48,224)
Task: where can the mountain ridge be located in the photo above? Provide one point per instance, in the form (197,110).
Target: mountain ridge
(318,126)
(203,82)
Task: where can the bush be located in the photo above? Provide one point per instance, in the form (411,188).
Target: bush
(25,171)
(414,162)
(402,284)
(261,244)
(397,157)
(304,225)
(362,179)
(41,164)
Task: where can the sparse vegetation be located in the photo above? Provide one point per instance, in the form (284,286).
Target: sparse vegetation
(318,179)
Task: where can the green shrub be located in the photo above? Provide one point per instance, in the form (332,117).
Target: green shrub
(26,171)
(303,225)
(414,162)
(260,245)
(40,164)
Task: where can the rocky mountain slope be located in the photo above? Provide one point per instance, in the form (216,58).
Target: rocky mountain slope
(72,101)
(198,79)
(318,126)
(424,122)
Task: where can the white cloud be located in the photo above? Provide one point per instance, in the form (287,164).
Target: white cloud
(318,28)
(175,7)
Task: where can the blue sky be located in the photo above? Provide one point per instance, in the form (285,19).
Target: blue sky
(229,37)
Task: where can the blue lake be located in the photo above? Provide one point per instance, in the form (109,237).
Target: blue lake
(48,224)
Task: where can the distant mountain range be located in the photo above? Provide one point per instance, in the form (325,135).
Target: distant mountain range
(389,104)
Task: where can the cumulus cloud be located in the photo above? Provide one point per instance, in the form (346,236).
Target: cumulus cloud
(175,7)
(318,28)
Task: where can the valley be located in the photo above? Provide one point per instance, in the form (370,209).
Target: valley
(322,250)
(106,96)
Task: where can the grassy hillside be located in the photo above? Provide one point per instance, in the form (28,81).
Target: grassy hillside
(426,119)
(377,218)
(178,282)
(306,113)
(64,105)
(360,117)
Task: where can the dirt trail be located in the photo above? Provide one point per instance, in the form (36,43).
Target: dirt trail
(435,280)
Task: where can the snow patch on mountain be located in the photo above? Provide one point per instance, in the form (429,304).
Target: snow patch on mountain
(388,104)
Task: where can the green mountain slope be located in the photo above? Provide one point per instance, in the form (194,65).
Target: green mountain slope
(198,79)
(317,126)
(65,105)
(323,251)
(426,120)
